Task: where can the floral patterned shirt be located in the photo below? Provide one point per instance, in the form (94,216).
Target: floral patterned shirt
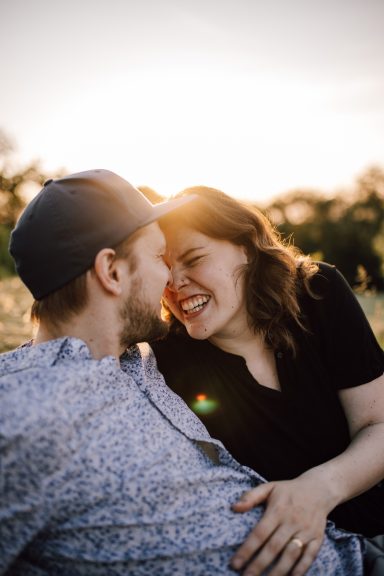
(105,471)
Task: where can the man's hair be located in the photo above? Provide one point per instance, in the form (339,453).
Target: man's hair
(71,299)
(62,304)
(276,273)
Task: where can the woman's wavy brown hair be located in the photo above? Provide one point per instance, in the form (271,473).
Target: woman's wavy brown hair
(276,273)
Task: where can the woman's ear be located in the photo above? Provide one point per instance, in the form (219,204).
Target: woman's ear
(108,270)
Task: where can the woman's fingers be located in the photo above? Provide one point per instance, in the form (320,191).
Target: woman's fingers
(283,556)
(280,548)
(253,497)
(288,535)
(255,541)
(311,551)
(296,559)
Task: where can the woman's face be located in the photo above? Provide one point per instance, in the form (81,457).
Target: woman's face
(207,291)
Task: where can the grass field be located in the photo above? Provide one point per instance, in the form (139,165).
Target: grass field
(373,307)
(15,303)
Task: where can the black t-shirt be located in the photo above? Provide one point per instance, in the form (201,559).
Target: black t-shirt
(280,434)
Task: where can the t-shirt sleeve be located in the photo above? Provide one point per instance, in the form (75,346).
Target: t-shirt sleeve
(353,354)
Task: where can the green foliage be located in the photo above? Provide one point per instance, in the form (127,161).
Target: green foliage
(344,230)
(373,306)
(6,262)
(13,182)
(12,200)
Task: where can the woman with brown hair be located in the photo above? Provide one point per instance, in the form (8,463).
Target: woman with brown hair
(275,355)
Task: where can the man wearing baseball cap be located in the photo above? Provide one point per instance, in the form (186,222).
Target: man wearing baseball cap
(104,471)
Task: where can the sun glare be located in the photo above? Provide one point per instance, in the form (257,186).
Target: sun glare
(253,139)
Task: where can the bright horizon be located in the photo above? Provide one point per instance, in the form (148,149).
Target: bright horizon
(251,97)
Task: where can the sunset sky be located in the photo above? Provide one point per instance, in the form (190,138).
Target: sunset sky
(255,97)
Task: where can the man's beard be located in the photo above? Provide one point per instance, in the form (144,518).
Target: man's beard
(140,322)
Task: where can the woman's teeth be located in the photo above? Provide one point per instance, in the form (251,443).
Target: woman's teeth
(194,304)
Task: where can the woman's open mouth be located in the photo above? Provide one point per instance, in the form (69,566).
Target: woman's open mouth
(194,304)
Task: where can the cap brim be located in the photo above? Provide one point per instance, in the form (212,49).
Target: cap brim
(164,208)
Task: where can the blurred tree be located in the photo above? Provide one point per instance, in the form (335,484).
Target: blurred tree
(345,230)
(13,183)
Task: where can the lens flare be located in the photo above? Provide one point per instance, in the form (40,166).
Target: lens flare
(204,405)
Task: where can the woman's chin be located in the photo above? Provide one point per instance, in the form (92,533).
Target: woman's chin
(197,332)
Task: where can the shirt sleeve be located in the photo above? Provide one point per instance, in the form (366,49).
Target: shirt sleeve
(21,503)
(31,455)
(353,354)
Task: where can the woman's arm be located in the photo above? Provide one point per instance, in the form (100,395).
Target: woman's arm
(361,466)
(296,510)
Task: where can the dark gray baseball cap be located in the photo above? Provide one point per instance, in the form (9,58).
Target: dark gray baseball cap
(63,228)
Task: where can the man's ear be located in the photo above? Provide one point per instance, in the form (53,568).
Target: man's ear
(108,270)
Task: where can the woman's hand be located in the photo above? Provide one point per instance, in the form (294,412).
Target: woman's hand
(296,510)
(291,530)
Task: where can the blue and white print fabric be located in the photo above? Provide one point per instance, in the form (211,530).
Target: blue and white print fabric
(106,472)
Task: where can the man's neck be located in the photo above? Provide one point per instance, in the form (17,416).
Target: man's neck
(100,342)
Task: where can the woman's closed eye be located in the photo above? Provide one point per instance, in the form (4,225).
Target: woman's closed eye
(192,261)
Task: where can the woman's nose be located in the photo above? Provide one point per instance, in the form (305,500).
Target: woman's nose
(178,280)
(170,278)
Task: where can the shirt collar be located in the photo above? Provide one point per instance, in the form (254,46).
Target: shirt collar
(45,354)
